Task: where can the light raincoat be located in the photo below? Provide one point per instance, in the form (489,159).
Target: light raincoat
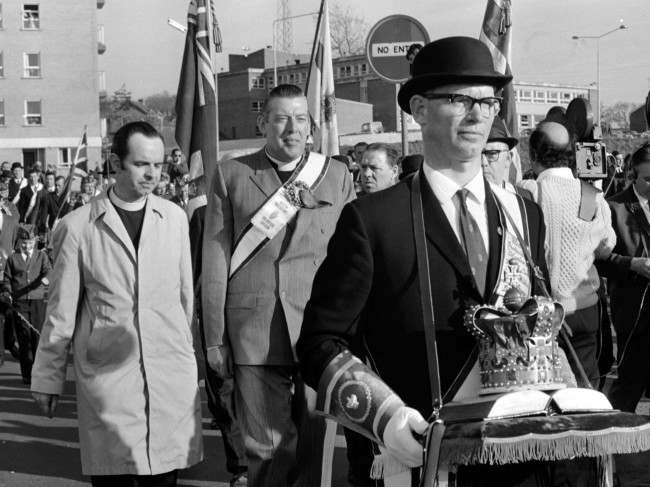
(127,314)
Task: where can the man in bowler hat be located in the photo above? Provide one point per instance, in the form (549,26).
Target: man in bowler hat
(366,301)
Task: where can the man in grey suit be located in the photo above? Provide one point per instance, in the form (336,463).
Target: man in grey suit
(269,219)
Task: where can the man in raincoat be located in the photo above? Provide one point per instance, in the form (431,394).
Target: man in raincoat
(121,295)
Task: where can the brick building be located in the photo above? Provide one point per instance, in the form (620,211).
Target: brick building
(242,91)
(49,80)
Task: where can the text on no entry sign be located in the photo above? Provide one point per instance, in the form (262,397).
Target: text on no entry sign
(391,49)
(387,45)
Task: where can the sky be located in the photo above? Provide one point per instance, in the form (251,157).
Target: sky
(144,53)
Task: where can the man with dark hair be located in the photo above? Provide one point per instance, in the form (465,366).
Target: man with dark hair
(8,230)
(24,285)
(16,183)
(578,232)
(366,297)
(268,220)
(379,168)
(178,167)
(32,202)
(137,392)
(628,280)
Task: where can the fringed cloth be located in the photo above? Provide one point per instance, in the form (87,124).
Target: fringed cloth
(545,438)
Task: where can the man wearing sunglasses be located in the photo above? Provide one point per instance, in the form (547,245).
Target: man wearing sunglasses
(366,297)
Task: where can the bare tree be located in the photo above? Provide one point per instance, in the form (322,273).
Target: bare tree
(348,31)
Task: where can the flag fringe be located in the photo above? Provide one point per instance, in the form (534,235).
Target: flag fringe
(467,451)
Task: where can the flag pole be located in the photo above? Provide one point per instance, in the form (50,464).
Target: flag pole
(213,57)
(313,47)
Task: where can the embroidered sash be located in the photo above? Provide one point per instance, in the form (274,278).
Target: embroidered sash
(278,210)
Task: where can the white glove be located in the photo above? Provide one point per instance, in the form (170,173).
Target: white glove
(398,436)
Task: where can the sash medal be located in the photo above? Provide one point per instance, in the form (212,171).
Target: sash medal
(278,210)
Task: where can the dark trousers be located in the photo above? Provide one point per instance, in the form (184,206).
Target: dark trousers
(221,406)
(633,367)
(284,441)
(32,310)
(162,480)
(585,325)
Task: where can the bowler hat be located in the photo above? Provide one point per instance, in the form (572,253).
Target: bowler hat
(452,60)
(500,133)
(15,165)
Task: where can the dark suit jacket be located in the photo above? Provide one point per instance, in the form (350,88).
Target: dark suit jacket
(625,286)
(23,278)
(259,311)
(8,231)
(38,215)
(366,294)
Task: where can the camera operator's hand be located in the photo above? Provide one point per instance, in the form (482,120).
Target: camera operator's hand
(641,265)
(399,439)
(220,360)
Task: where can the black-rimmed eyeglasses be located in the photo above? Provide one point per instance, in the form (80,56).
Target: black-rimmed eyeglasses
(464,103)
(493,155)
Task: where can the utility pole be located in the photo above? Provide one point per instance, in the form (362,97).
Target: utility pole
(286,26)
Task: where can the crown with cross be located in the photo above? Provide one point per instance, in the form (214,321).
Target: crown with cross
(518,350)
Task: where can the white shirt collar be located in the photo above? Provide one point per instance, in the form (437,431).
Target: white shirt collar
(642,199)
(560,172)
(444,188)
(126,205)
(283,166)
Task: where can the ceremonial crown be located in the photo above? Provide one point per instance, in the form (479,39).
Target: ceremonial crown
(518,350)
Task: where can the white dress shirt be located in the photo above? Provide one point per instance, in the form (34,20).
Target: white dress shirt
(643,201)
(445,190)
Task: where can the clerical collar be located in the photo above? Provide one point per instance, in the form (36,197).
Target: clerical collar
(126,205)
(283,166)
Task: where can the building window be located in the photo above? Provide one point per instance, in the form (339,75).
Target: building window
(552,96)
(364,68)
(355,70)
(269,83)
(292,78)
(258,83)
(345,71)
(32,64)
(526,95)
(66,155)
(31,16)
(2,112)
(256,106)
(524,121)
(33,112)
(540,97)
(566,97)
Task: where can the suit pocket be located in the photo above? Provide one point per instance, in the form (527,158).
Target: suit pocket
(241,300)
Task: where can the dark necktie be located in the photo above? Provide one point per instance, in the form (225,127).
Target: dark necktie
(472,241)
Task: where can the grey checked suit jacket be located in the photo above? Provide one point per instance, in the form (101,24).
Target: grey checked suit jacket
(258,313)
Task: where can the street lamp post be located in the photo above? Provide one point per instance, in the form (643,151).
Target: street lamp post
(275,47)
(598,38)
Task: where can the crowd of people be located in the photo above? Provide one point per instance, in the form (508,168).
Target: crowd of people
(303,278)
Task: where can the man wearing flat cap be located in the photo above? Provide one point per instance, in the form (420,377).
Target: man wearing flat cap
(366,340)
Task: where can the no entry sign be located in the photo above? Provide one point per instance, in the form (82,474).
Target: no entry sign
(388,42)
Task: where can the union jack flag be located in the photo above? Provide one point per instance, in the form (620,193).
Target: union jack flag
(196,98)
(320,88)
(496,33)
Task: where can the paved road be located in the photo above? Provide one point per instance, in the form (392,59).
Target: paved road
(36,451)
(39,452)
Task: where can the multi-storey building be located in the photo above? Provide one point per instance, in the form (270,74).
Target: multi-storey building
(242,91)
(49,80)
(534,100)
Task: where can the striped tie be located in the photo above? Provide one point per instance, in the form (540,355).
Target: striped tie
(472,241)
